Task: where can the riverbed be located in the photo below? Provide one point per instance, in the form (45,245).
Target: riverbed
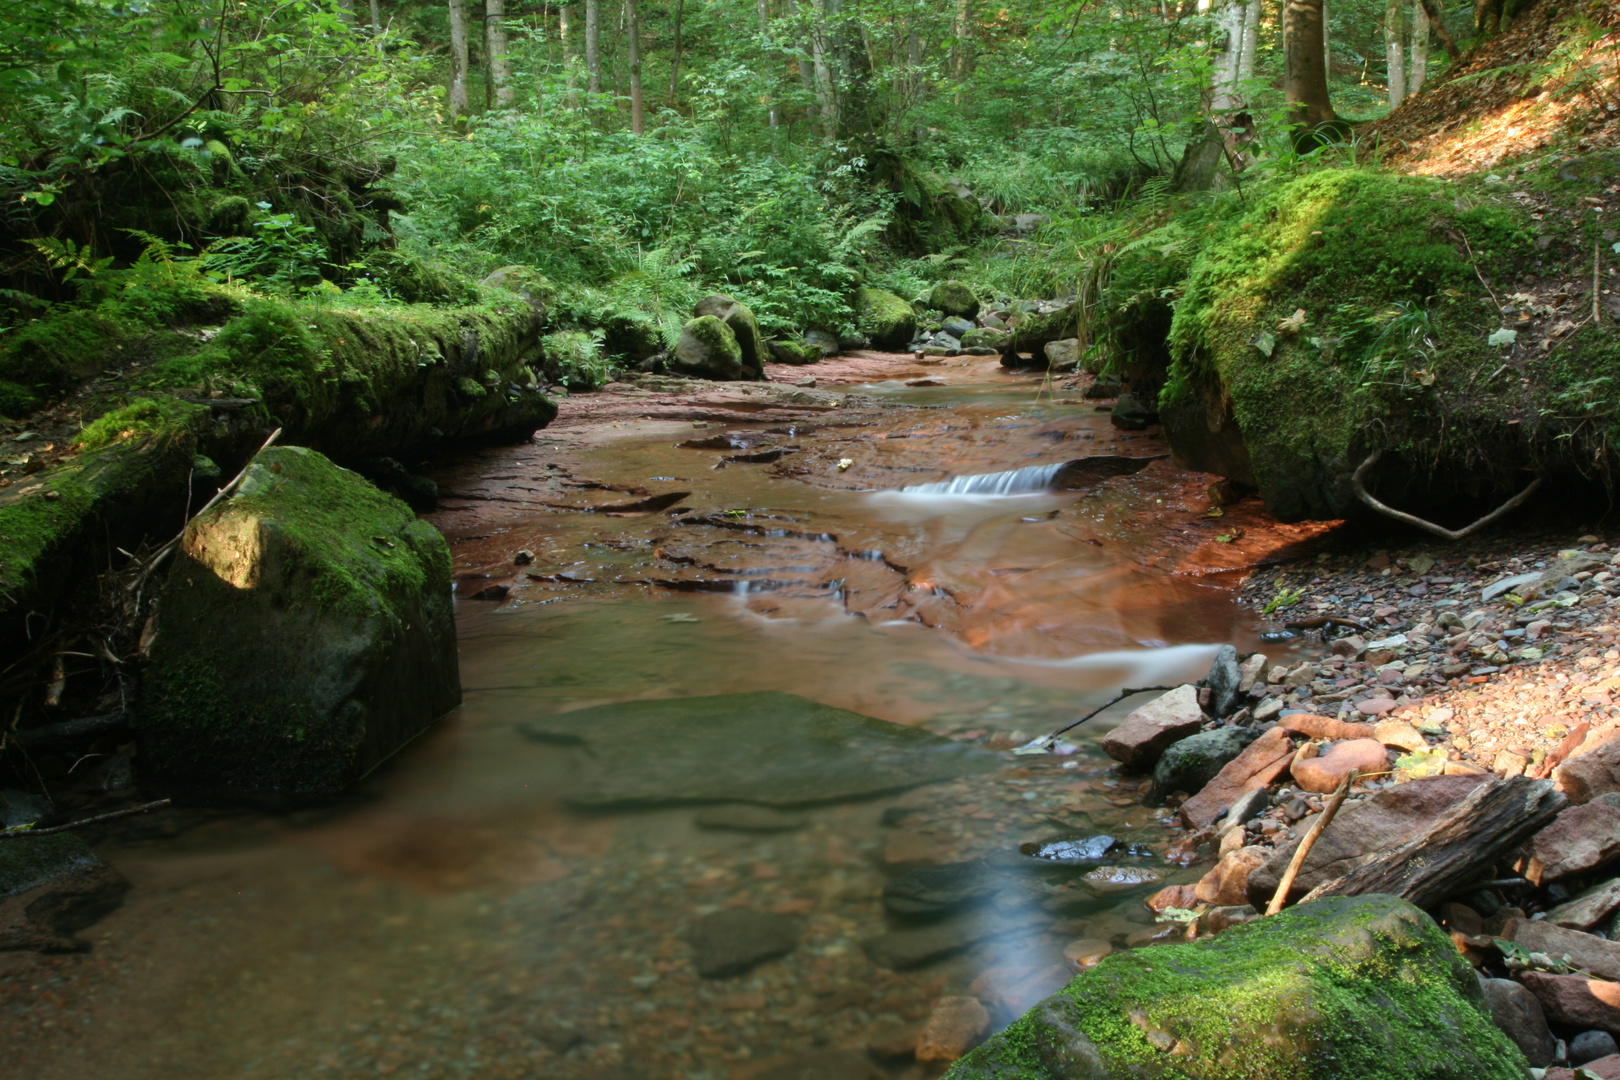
(523,895)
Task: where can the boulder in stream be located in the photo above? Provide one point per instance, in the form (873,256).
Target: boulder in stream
(304,634)
(954,298)
(767,747)
(744,327)
(794,351)
(885,319)
(708,348)
(1365,987)
(51,887)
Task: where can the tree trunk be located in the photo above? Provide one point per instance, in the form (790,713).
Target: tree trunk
(826,94)
(1251,40)
(852,71)
(807,79)
(346,11)
(1223,90)
(1327,43)
(376,17)
(593,46)
(458,58)
(1305,64)
(675,64)
(500,69)
(565,28)
(633,31)
(964,38)
(775,116)
(1394,60)
(1488,16)
(1437,22)
(1419,53)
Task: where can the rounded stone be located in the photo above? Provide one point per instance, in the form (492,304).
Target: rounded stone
(1322,774)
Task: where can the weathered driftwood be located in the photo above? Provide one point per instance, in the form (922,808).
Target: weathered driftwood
(1358,484)
(1280,897)
(1495,818)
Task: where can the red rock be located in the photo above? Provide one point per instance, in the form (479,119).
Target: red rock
(1086,952)
(1362,831)
(1576,1000)
(1322,774)
(1226,885)
(1375,706)
(1145,734)
(1590,774)
(1588,952)
(1262,762)
(1325,727)
(1604,1068)
(1173,896)
(1582,837)
(953,1028)
(1400,733)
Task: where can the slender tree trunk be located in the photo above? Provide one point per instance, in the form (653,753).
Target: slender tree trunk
(376,17)
(500,69)
(1327,44)
(964,39)
(1251,39)
(826,94)
(1420,49)
(633,30)
(458,58)
(1223,97)
(346,11)
(1305,63)
(1394,57)
(675,65)
(807,79)
(593,46)
(565,30)
(775,116)
(1437,22)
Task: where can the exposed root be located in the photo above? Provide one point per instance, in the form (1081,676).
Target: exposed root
(1358,483)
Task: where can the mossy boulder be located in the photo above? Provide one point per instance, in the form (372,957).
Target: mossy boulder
(708,349)
(1034,330)
(744,327)
(883,318)
(1345,313)
(304,634)
(1348,988)
(794,351)
(954,298)
(986,337)
(931,212)
(50,888)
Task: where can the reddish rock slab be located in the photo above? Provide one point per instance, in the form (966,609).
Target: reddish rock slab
(1226,885)
(1184,897)
(1588,952)
(1261,763)
(1147,732)
(1325,727)
(1604,1068)
(1359,832)
(1589,908)
(1581,838)
(1323,773)
(1596,772)
(1576,1000)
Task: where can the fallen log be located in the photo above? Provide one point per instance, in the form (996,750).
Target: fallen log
(1492,821)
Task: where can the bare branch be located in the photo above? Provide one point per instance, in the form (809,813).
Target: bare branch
(1357,482)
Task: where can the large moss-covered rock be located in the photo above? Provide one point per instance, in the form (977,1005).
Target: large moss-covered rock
(708,348)
(1035,329)
(50,888)
(954,298)
(304,634)
(795,351)
(744,327)
(1345,314)
(1348,988)
(883,318)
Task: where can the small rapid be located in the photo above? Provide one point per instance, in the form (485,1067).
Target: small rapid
(1032,480)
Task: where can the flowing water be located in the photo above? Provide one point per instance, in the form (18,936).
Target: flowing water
(519,894)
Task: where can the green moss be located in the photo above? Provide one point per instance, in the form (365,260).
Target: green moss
(954,298)
(1363,987)
(792,351)
(1393,352)
(27,862)
(135,422)
(573,358)
(885,319)
(708,347)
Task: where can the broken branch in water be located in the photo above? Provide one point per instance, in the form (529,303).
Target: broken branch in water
(1357,482)
(1044,744)
(1280,897)
(130,811)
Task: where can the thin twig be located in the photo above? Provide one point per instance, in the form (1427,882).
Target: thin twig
(1280,897)
(14,834)
(1046,742)
(1358,483)
(1477,274)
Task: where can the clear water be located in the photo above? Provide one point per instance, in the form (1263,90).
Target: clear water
(457,917)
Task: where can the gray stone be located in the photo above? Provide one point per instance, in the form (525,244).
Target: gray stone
(21,808)
(305,634)
(1249,805)
(957,327)
(823,341)
(50,888)
(1192,762)
(746,817)
(1589,1046)
(767,747)
(1145,734)
(985,337)
(1063,354)
(1582,837)
(1224,679)
(1104,388)
(1131,413)
(1518,1014)
(934,890)
(731,941)
(1309,994)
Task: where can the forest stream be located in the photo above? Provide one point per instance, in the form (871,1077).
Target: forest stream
(512,896)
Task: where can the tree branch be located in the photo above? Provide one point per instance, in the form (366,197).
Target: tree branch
(1357,482)
(1437,20)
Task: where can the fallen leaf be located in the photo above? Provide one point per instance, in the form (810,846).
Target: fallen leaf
(1293,324)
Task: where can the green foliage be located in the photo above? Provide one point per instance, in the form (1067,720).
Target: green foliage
(574,358)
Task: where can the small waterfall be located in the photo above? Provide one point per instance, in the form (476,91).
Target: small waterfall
(1036,478)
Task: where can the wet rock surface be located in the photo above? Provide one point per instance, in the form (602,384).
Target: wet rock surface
(52,888)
